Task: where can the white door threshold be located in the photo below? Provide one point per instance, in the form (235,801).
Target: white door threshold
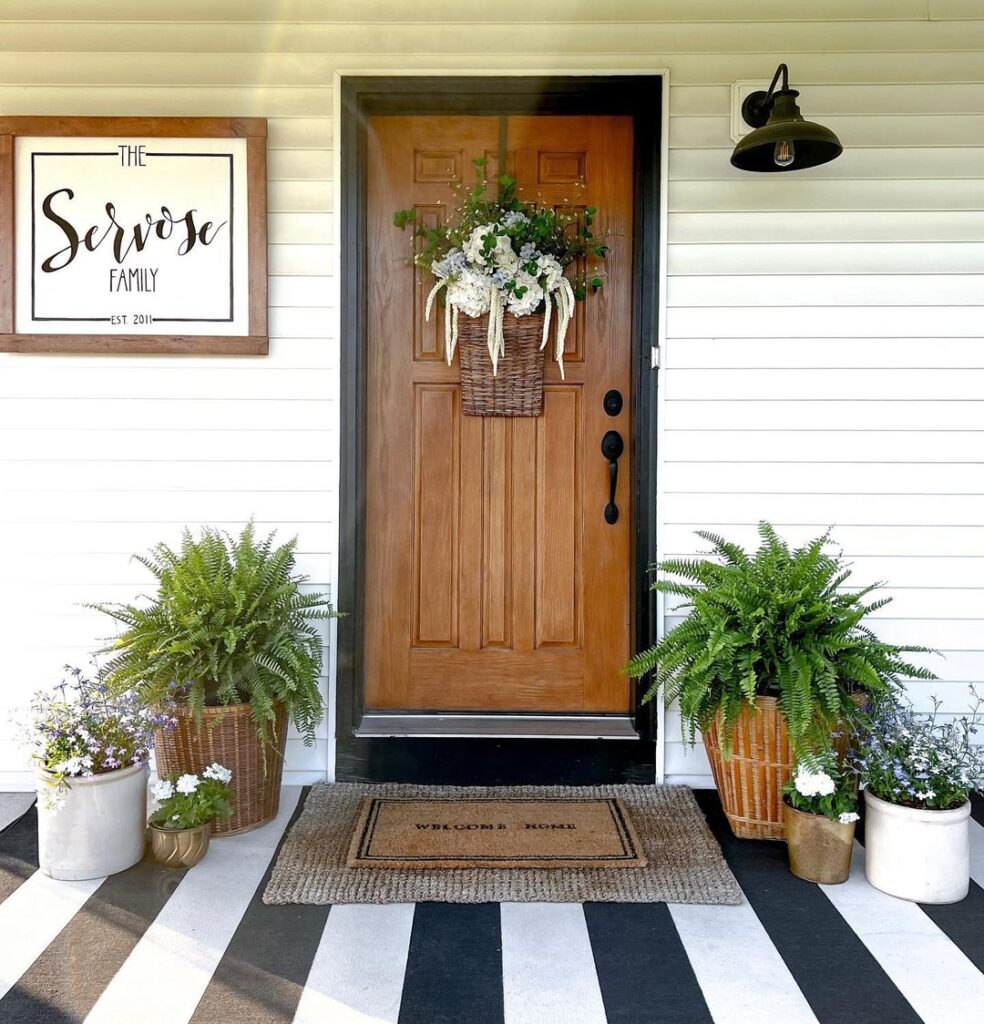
(497,726)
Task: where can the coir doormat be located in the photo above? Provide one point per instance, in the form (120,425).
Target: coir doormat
(494,832)
(683,863)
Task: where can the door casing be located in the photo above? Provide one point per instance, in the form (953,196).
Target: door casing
(472,761)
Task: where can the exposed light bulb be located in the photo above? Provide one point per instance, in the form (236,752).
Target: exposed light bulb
(784,153)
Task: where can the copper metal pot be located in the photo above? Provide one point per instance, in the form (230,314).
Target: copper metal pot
(179,847)
(819,848)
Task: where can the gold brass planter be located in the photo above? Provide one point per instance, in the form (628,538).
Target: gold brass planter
(180,847)
(819,848)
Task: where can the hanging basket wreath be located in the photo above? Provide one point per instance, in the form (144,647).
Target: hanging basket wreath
(501,264)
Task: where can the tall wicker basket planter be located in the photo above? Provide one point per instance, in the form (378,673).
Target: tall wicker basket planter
(750,783)
(517,387)
(228,735)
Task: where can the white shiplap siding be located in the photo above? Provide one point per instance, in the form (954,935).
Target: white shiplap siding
(823,361)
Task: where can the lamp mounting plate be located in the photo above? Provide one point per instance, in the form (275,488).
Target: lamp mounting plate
(756,107)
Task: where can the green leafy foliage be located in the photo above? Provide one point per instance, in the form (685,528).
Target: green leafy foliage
(778,622)
(229,624)
(533,224)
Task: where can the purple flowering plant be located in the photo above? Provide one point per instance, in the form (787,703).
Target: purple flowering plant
(920,759)
(81,728)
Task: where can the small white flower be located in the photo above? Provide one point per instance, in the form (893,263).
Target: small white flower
(814,783)
(218,772)
(187,784)
(550,272)
(529,300)
(163,790)
(175,817)
(848,817)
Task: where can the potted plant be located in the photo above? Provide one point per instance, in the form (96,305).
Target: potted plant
(918,772)
(772,659)
(500,263)
(181,826)
(819,813)
(229,640)
(91,748)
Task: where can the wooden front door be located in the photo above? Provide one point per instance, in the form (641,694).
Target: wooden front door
(493,581)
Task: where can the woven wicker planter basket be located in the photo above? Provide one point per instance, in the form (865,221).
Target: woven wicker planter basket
(228,735)
(517,387)
(750,783)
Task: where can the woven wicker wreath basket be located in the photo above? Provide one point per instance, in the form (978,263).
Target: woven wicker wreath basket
(516,388)
(228,735)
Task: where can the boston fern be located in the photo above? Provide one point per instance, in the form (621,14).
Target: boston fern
(777,622)
(228,624)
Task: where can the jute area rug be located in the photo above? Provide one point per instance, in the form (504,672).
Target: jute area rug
(683,862)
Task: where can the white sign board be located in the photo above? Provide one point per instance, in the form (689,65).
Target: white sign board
(131,236)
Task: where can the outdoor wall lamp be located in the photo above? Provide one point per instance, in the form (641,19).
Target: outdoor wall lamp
(782,140)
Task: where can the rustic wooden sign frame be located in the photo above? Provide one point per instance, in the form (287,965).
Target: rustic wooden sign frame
(253,129)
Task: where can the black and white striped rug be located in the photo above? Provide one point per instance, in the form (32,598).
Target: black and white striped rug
(155,946)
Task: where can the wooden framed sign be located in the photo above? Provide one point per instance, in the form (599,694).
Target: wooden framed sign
(124,234)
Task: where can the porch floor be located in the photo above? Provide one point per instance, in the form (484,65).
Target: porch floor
(151,945)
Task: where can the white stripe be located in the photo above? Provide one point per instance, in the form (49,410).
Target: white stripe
(548,968)
(738,968)
(977,852)
(357,973)
(14,806)
(942,985)
(168,970)
(32,916)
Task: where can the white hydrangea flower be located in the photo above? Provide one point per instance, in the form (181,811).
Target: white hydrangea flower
(550,272)
(471,292)
(529,300)
(163,790)
(187,784)
(502,254)
(218,772)
(848,817)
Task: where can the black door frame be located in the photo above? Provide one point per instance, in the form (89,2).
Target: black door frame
(476,761)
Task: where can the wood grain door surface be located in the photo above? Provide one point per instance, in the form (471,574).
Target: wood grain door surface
(493,581)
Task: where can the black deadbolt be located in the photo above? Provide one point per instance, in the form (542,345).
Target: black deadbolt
(613,402)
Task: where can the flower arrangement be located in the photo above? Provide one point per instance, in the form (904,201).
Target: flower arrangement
(819,786)
(505,255)
(190,801)
(917,760)
(82,728)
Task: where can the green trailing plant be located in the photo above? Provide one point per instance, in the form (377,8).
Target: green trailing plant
(229,624)
(779,623)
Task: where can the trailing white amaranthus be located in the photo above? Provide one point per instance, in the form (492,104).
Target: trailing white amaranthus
(481,279)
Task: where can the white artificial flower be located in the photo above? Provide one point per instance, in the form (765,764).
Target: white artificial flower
(848,817)
(470,291)
(502,254)
(550,272)
(163,790)
(530,299)
(218,772)
(187,784)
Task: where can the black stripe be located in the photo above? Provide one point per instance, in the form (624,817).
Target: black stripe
(643,968)
(454,966)
(63,984)
(831,965)
(18,852)
(263,971)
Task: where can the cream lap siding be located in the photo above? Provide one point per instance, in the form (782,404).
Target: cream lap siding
(822,364)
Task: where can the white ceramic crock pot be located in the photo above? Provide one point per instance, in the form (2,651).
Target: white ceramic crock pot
(917,854)
(100,828)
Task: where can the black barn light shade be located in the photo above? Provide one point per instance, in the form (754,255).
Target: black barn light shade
(782,140)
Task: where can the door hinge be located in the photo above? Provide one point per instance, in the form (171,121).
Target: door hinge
(654,356)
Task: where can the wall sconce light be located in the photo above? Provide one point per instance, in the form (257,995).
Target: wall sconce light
(782,140)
